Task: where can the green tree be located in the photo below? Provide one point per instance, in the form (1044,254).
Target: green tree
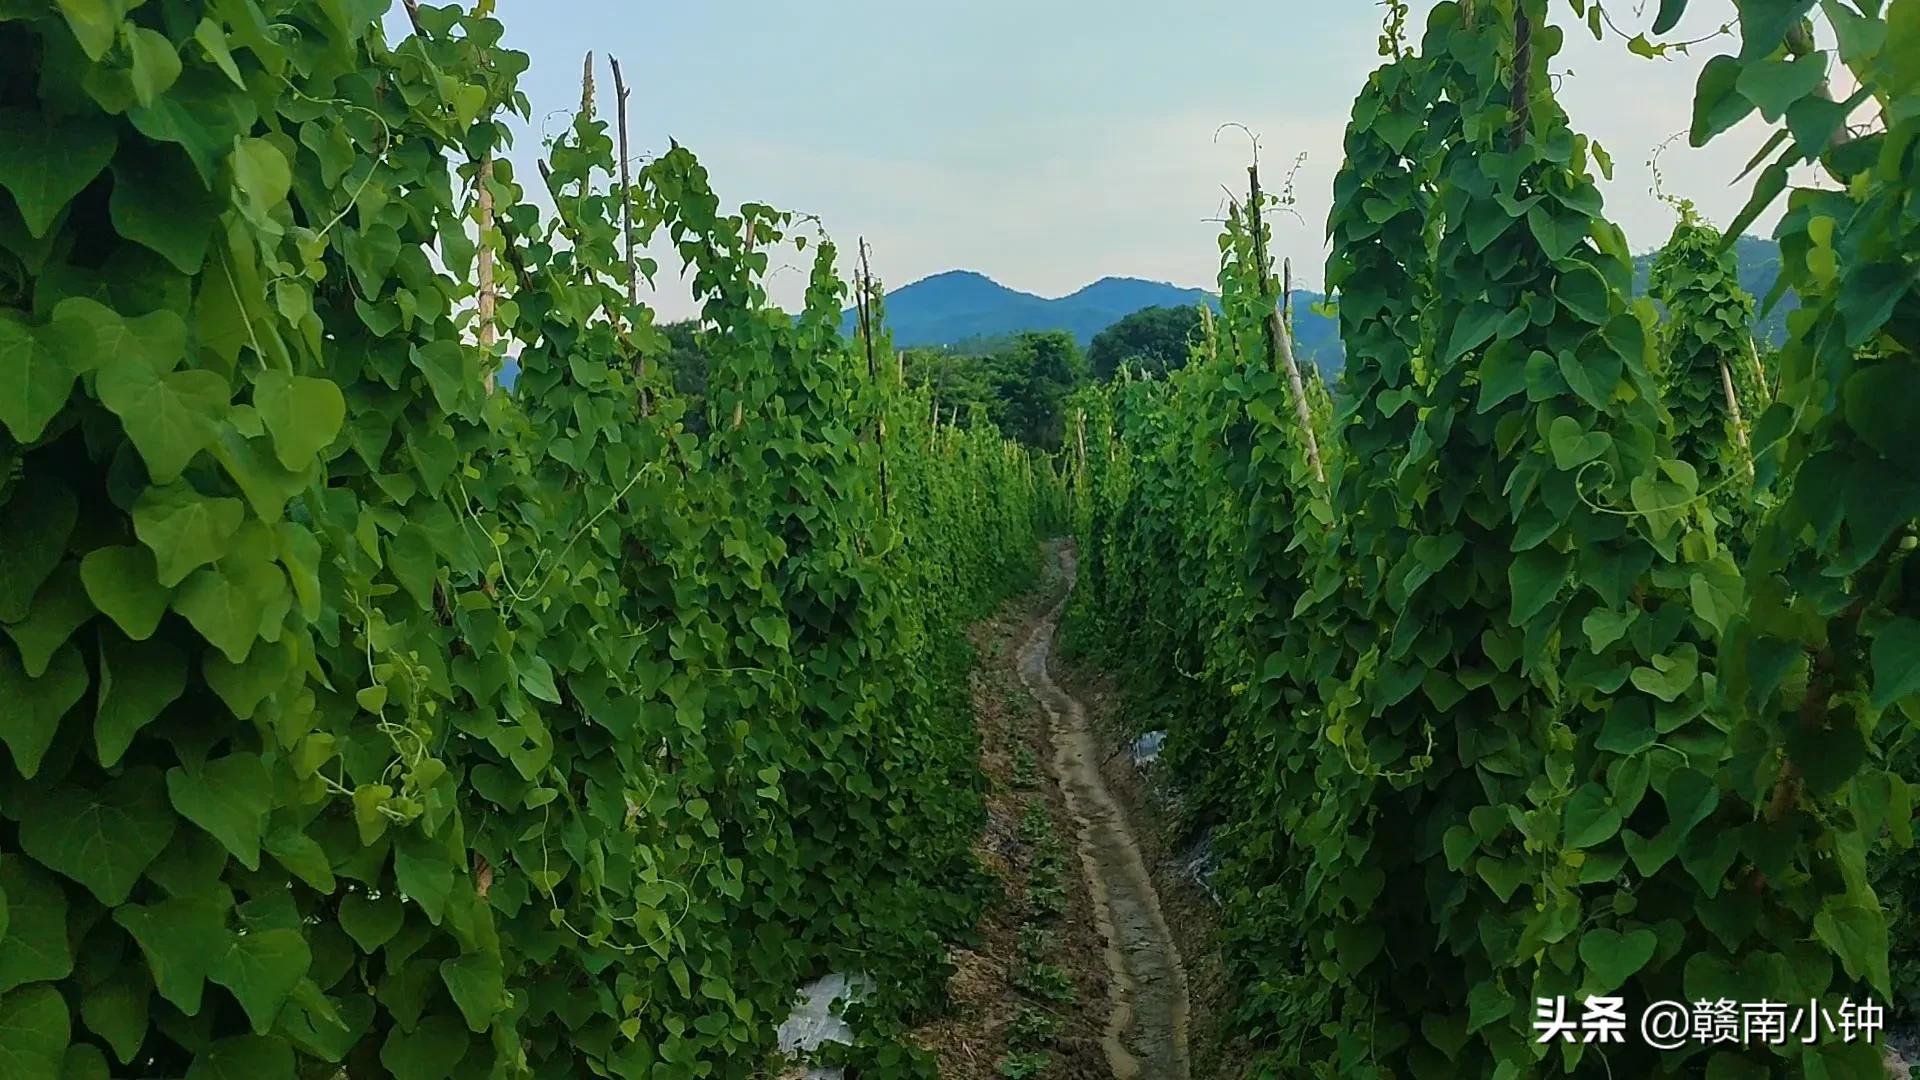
(1152,341)
(1020,385)
(1032,379)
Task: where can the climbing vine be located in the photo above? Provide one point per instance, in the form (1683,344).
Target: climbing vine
(359,718)
(1493,755)
(1707,362)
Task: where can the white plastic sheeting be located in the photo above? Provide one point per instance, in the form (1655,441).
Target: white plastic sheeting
(1146,749)
(813,1022)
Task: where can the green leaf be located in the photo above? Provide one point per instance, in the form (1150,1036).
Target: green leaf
(160,201)
(1896,661)
(38,365)
(536,678)
(116,1010)
(1669,15)
(213,39)
(137,681)
(1671,675)
(261,968)
(85,1061)
(1717,104)
(1764,24)
(229,797)
(1592,372)
(123,582)
(431,1051)
(1472,329)
(232,604)
(102,836)
(203,115)
(158,338)
(1772,85)
(371,923)
(60,608)
(34,1030)
(1690,796)
(156,63)
(181,939)
(169,416)
(96,23)
(477,987)
(31,709)
(424,874)
(1604,627)
(246,1057)
(1535,577)
(1503,876)
(772,629)
(302,857)
(1573,446)
(48,161)
(1591,818)
(185,529)
(1613,957)
(1876,409)
(244,686)
(36,522)
(447,369)
(303,414)
(1857,934)
(35,947)
(1581,290)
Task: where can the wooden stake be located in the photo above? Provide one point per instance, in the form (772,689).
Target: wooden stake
(863,304)
(1733,410)
(1519,102)
(1278,340)
(487,297)
(586,86)
(1286,296)
(626,226)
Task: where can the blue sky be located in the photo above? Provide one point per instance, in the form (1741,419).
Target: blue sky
(1049,144)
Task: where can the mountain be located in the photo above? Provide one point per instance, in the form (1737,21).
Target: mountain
(961,307)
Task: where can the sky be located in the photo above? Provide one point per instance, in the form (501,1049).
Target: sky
(1049,144)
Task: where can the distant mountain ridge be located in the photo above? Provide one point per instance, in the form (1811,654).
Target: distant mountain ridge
(963,306)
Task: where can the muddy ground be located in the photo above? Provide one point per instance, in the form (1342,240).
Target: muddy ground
(1049,741)
(973,1038)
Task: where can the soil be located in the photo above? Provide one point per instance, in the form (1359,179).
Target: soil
(1172,852)
(972,1038)
(1146,1035)
(1041,747)
(1169,851)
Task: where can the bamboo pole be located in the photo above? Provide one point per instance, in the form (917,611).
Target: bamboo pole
(1279,342)
(1286,296)
(488,298)
(626,226)
(586,86)
(863,304)
(1733,410)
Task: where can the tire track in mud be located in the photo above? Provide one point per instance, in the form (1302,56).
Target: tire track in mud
(1147,1030)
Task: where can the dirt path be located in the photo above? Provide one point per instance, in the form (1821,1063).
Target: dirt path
(1147,1029)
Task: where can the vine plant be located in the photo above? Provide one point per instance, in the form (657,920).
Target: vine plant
(359,720)
(1504,763)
